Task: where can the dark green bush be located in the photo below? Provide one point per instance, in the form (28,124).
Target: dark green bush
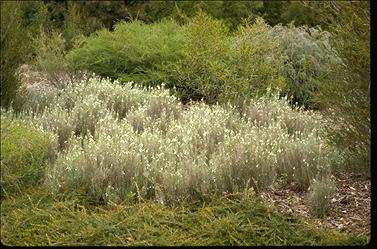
(77,22)
(132,52)
(25,153)
(346,100)
(12,49)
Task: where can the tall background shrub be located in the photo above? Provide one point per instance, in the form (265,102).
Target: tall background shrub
(134,51)
(219,66)
(310,61)
(347,98)
(203,71)
(13,44)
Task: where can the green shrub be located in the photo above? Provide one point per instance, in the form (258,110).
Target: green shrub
(145,147)
(50,57)
(309,61)
(36,17)
(320,197)
(203,71)
(201,60)
(254,61)
(219,67)
(25,153)
(134,51)
(77,22)
(346,100)
(13,46)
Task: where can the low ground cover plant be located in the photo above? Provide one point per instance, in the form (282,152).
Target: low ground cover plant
(320,197)
(121,142)
(39,219)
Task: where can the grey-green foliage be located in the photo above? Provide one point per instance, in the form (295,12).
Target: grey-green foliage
(134,51)
(309,60)
(119,142)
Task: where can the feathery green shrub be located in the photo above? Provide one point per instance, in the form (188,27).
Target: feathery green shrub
(203,70)
(49,57)
(346,101)
(25,154)
(218,66)
(134,51)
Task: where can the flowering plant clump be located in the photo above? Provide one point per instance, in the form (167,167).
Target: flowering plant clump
(119,142)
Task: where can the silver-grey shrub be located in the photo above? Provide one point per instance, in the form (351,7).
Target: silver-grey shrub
(309,60)
(147,147)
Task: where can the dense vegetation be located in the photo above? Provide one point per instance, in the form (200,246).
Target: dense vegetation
(117,141)
(182,110)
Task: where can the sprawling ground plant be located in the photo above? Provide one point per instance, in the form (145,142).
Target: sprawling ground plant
(119,142)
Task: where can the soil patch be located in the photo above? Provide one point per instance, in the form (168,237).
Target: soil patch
(350,209)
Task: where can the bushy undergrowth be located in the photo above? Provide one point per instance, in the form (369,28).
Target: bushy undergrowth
(13,49)
(347,99)
(121,143)
(25,154)
(50,57)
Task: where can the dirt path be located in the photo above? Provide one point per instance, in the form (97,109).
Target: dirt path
(350,210)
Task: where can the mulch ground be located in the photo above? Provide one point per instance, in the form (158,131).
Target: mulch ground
(350,209)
